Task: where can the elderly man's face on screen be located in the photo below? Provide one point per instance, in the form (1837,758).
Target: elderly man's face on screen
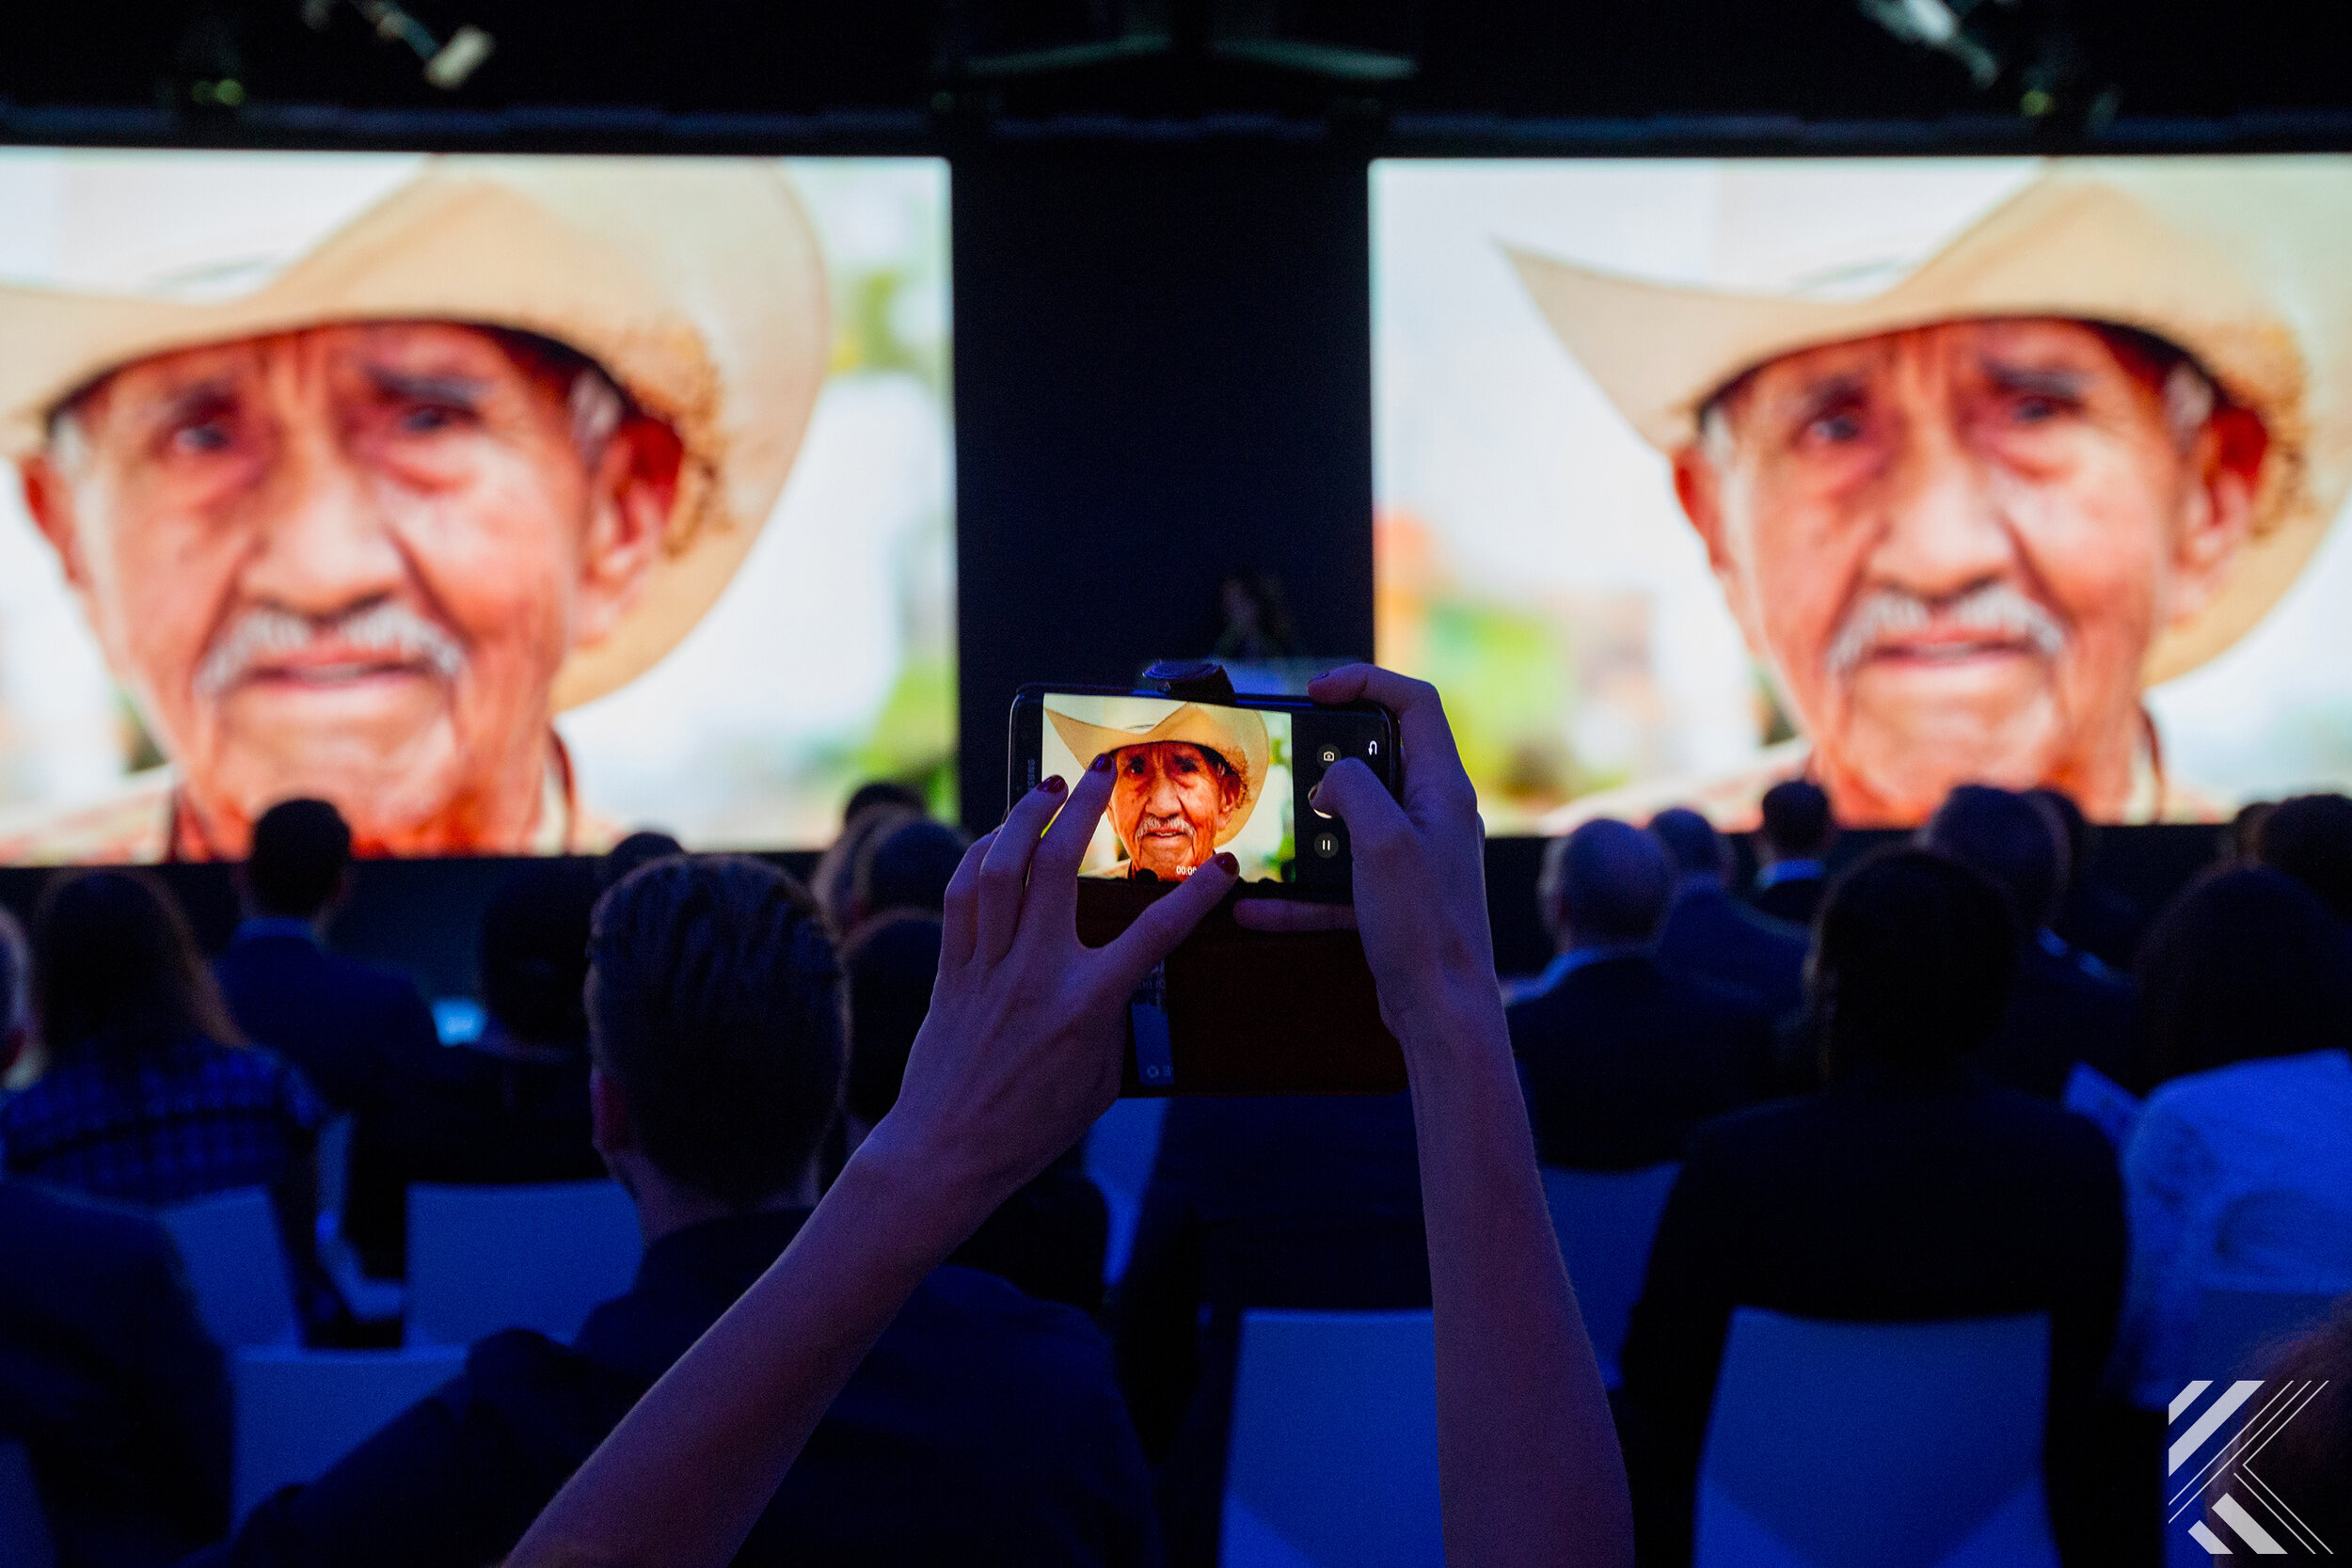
(1170,802)
(347,562)
(1955,546)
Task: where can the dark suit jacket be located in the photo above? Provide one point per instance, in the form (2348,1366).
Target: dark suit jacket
(1792,900)
(354,1030)
(1278,1202)
(1709,932)
(1876,1201)
(2061,1011)
(108,1381)
(1622,1059)
(983,1427)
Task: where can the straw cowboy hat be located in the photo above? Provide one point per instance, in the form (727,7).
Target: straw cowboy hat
(2242,262)
(1235,734)
(696,283)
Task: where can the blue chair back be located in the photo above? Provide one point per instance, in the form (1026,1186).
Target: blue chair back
(300,1411)
(236,1264)
(24,1538)
(1842,1445)
(483,1258)
(1120,1150)
(1606,1219)
(1333,1462)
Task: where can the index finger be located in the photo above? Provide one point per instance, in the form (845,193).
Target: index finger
(1054,869)
(1430,757)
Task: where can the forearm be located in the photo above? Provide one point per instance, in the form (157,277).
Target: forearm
(1528,1460)
(684,1476)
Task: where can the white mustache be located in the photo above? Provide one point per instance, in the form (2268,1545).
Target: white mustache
(397,634)
(1998,612)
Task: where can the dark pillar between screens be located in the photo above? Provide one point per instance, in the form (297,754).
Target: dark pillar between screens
(1163,376)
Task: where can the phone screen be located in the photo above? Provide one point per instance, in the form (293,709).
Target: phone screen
(1193,778)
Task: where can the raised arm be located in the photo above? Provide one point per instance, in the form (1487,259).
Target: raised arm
(1528,1466)
(1019,1055)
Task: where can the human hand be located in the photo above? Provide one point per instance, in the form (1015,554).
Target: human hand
(1420,867)
(1021,1047)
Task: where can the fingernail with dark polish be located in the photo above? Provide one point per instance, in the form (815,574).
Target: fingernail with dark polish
(1102,764)
(1051,784)
(1227,863)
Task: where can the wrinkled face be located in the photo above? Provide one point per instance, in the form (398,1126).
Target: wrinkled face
(348,561)
(1954,547)
(1171,802)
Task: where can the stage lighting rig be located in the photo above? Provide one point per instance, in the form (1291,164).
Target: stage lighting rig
(447,63)
(2025,47)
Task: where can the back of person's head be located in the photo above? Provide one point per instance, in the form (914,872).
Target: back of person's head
(882,792)
(2245,963)
(891,964)
(2309,1458)
(1608,881)
(1691,843)
(909,868)
(2011,840)
(1912,963)
(115,966)
(715,1005)
(1795,820)
(835,881)
(300,851)
(642,848)
(2309,838)
(2242,838)
(534,952)
(2080,836)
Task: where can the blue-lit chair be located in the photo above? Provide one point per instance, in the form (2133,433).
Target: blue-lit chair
(538,1256)
(1841,1444)
(236,1264)
(300,1411)
(1333,1461)
(1120,1150)
(1606,1221)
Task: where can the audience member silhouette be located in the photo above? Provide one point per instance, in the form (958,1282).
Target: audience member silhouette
(1621,1058)
(2309,838)
(2064,1007)
(1793,848)
(1709,932)
(642,848)
(356,1032)
(983,1426)
(511,1106)
(2091,917)
(107,1377)
(143,1099)
(2239,1170)
(1910,1189)
(906,869)
(1272,1201)
(1049,1237)
(875,812)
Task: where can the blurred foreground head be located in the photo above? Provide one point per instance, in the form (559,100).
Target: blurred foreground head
(2245,962)
(1912,963)
(2014,841)
(115,967)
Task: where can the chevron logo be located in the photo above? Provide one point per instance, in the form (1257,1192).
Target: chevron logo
(2210,1462)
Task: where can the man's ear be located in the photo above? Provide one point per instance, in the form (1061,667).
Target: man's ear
(1699,487)
(631,493)
(2225,464)
(49,500)
(611,1129)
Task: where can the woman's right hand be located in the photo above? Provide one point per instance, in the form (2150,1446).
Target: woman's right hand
(1420,865)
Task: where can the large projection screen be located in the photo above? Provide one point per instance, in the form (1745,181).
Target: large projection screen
(509,503)
(1694,475)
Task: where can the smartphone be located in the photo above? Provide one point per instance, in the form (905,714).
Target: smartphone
(1233,1010)
(1197,776)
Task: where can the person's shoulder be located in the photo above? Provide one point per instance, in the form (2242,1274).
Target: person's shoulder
(957,1309)
(130,824)
(57,1227)
(1755,1136)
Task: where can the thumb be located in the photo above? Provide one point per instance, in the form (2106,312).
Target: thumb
(1168,920)
(1354,794)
